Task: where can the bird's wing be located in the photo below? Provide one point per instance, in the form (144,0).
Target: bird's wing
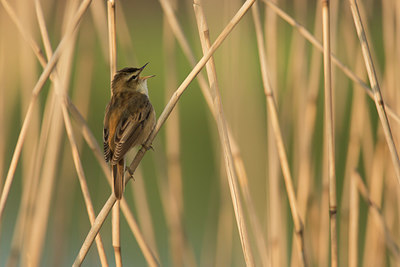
(131,126)
(106,135)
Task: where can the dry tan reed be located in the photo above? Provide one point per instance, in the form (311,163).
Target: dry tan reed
(329,130)
(112,43)
(276,235)
(112,38)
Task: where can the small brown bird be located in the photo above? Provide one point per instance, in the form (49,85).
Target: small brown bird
(128,121)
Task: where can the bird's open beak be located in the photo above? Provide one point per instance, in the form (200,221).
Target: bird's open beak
(147,77)
(143,66)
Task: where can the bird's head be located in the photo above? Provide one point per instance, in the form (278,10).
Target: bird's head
(129,79)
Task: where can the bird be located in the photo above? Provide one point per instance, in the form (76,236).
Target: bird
(128,121)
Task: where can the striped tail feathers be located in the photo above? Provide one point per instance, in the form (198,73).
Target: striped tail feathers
(118,174)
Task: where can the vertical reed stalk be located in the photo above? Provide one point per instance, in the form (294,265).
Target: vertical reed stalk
(112,40)
(116,234)
(2,119)
(113,69)
(323,231)
(276,224)
(329,130)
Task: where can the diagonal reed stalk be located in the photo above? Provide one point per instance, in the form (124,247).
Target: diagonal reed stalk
(273,116)
(223,135)
(346,70)
(376,91)
(329,131)
(35,93)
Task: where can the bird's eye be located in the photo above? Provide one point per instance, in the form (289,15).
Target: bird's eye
(133,77)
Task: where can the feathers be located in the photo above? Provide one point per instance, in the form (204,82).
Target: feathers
(118,174)
(128,121)
(107,151)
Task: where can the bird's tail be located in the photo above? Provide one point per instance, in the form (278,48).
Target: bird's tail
(118,174)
